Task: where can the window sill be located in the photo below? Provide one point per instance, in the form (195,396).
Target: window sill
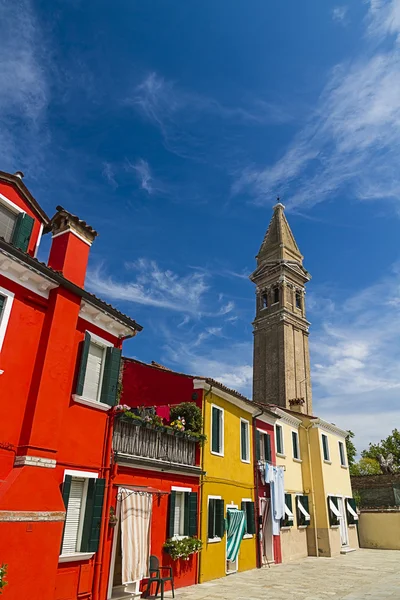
(286,527)
(344,466)
(248,536)
(91,403)
(334,526)
(247,462)
(327,462)
(180,537)
(281,455)
(216,453)
(213,540)
(298,460)
(63,558)
(302,526)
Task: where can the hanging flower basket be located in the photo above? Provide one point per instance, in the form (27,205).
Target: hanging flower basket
(182,548)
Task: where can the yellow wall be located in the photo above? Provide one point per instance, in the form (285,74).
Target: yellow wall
(380,530)
(231,479)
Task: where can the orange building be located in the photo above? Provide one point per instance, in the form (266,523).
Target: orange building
(60,349)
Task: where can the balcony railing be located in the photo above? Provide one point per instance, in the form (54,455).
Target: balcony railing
(139,441)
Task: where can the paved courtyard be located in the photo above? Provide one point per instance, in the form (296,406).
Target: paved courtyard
(360,575)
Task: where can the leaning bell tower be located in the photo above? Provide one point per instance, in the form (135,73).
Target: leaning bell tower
(281,367)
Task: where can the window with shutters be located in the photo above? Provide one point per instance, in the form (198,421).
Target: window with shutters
(179,515)
(334,512)
(183,513)
(83,499)
(217,430)
(8,219)
(279,440)
(342,454)
(249,510)
(6,300)
(244,441)
(98,372)
(216,519)
(303,515)
(295,445)
(288,519)
(263,450)
(325,447)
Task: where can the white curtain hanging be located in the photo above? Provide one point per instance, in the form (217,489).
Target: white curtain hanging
(135,534)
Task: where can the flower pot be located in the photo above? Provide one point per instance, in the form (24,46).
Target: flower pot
(170,432)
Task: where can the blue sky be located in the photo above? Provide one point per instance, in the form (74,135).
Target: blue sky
(171,127)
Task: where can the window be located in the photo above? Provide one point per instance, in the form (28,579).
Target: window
(279,439)
(325,447)
(263,446)
(334,513)
(182,513)
(288,519)
(303,515)
(295,444)
(276,295)
(342,455)
(83,499)
(216,518)
(217,430)
(249,511)
(6,300)
(244,441)
(265,300)
(8,220)
(298,300)
(351,510)
(98,374)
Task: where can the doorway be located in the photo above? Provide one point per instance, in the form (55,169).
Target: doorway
(343,524)
(266,541)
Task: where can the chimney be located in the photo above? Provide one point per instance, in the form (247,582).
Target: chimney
(71,242)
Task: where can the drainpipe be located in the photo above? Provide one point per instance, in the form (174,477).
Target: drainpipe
(257,503)
(312,486)
(200,554)
(106,472)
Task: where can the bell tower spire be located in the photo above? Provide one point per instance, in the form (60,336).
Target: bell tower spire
(281,368)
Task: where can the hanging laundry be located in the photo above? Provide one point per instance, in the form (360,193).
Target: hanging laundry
(235,532)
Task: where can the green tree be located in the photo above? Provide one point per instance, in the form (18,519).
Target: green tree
(390,445)
(351,449)
(365,466)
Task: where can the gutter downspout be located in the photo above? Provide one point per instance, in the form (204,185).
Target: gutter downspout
(257,503)
(106,507)
(200,554)
(312,487)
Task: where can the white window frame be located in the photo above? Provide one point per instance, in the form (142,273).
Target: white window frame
(221,453)
(5,313)
(326,460)
(14,208)
(74,556)
(344,465)
(298,459)
(96,339)
(282,454)
(216,538)
(182,490)
(246,460)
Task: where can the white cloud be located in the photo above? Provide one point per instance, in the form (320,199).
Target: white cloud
(109,175)
(339,13)
(352,138)
(147,181)
(155,287)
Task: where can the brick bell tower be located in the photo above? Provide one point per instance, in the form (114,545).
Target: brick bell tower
(281,363)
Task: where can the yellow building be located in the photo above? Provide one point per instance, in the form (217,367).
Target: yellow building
(316,475)
(228,483)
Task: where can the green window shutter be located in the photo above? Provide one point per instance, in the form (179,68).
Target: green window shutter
(211,518)
(301,519)
(258,442)
(2,303)
(219,518)
(192,513)
(325,447)
(82,367)
(95,514)
(279,439)
(87,522)
(333,519)
(111,376)
(66,489)
(172,501)
(250,517)
(350,519)
(215,430)
(243,440)
(22,232)
(267,447)
(295,445)
(286,522)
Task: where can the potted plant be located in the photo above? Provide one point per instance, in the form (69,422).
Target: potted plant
(183,547)
(112,519)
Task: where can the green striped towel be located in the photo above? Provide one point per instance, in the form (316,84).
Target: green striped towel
(235,532)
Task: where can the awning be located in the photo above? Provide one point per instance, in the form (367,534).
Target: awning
(351,510)
(334,509)
(288,512)
(302,509)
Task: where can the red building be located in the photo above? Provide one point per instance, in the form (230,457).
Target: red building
(158,464)
(269,549)
(60,350)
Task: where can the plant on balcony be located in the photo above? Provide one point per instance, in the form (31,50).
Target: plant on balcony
(178,424)
(191,413)
(3,574)
(182,548)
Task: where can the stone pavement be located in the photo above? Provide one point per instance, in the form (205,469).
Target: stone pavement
(360,575)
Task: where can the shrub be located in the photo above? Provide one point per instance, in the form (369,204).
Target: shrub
(182,548)
(3,573)
(191,413)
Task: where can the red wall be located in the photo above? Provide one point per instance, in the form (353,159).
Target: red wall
(185,572)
